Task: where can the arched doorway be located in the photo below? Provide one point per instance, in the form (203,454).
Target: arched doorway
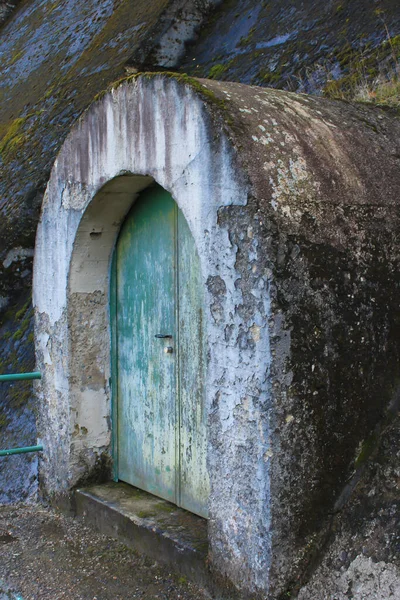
(159,423)
(147,130)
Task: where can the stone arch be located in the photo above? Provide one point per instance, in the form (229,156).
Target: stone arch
(150,130)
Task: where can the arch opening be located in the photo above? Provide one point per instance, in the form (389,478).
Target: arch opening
(89,324)
(95,427)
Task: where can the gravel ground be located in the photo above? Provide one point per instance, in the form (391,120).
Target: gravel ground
(48,556)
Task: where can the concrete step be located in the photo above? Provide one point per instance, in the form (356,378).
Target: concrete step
(149,525)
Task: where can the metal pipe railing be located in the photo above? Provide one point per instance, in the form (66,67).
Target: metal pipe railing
(12,451)
(20,376)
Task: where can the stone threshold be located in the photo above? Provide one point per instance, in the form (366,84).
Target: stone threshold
(148,525)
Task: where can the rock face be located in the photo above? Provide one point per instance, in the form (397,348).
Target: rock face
(298,46)
(362,558)
(297,237)
(17,418)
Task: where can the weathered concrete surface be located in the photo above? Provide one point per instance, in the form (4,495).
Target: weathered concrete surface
(177,153)
(149,525)
(296,234)
(47,556)
(55,57)
(334,331)
(24,178)
(362,560)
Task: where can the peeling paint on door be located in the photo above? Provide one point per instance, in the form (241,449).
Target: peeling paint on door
(161,420)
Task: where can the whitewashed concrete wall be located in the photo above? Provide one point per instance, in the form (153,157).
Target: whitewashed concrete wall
(145,130)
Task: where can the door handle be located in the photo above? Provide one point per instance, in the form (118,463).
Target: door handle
(163,336)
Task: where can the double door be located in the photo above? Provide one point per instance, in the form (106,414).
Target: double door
(161,439)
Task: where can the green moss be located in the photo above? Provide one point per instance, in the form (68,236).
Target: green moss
(363,78)
(345,55)
(166,508)
(19,394)
(354,87)
(52,7)
(217,71)
(25,324)
(145,514)
(3,421)
(20,313)
(395,42)
(22,329)
(340,88)
(16,57)
(14,136)
(367,448)
(269,77)
(14,361)
(50,91)
(387,93)
(245,40)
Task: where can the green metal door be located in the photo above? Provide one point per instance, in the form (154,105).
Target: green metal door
(160,418)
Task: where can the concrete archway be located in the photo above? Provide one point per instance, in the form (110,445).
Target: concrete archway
(281,195)
(149,130)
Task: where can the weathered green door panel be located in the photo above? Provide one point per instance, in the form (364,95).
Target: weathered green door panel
(147,421)
(194,483)
(160,415)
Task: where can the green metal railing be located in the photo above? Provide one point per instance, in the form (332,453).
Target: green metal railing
(24,450)
(20,377)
